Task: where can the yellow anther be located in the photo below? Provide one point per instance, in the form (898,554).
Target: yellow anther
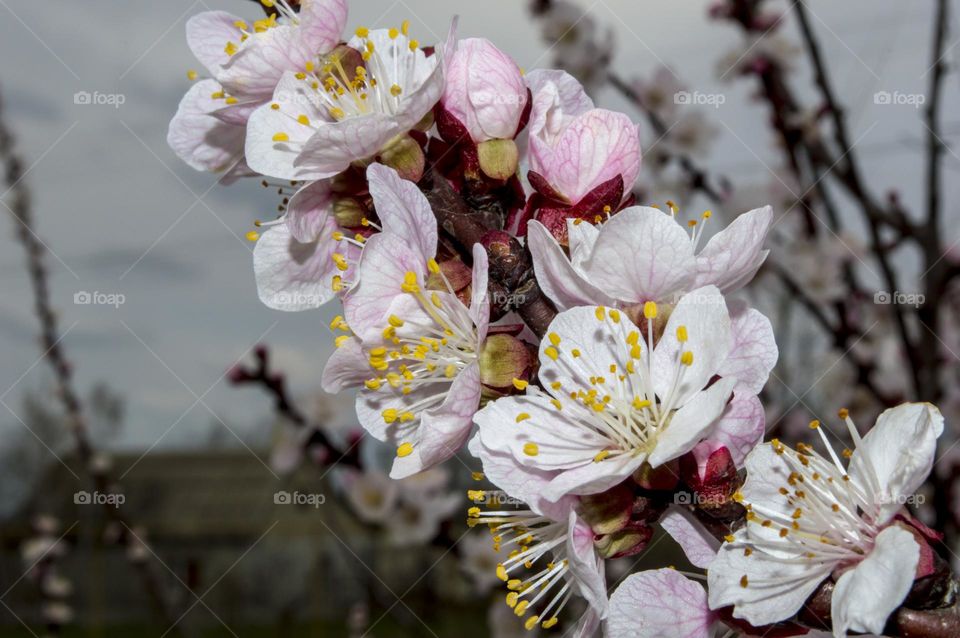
(340,261)
(450,371)
(650,310)
(393,33)
(502,573)
(744,581)
(601,313)
(390,415)
(253,235)
(814,424)
(514,584)
(362,32)
(476,495)
(275,106)
(707,214)
(687,358)
(281,137)
(414,45)
(231,100)
(267,3)
(729,538)
(405,27)
(405,449)
(615,316)
(633,338)
(554,338)
(551,352)
(601,455)
(682,334)
(575,352)
(520,384)
(410,283)
(523,416)
(303,119)
(531,449)
(372,384)
(217,95)
(395,90)
(531,622)
(547,624)
(433,266)
(640,404)
(477,476)
(395,321)
(230,49)
(843,413)
(635,352)
(192,75)
(342,339)
(556,403)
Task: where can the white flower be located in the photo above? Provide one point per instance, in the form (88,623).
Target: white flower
(658,603)
(643,254)
(547,551)
(372,495)
(809,517)
(613,400)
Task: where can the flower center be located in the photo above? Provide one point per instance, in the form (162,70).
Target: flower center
(621,399)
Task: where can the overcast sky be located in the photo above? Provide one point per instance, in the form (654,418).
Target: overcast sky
(122,215)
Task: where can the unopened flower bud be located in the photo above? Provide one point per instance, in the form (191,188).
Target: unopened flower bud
(609,511)
(498,158)
(348,212)
(405,156)
(503,358)
(664,477)
(626,542)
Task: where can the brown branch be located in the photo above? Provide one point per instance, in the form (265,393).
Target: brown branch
(20,208)
(274,383)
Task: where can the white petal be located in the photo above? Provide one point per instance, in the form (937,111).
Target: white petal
(691,422)
(291,275)
(558,279)
(403,210)
(444,430)
(732,257)
(899,451)
(753,351)
(775,590)
(521,482)
(200,139)
(308,211)
(704,314)
(207,35)
(642,254)
(346,367)
(865,596)
(659,603)
(480,302)
(585,565)
(699,545)
(741,426)
(593,477)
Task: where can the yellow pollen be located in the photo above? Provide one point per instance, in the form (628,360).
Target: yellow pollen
(267,3)
(414,45)
(405,449)
(531,622)
(520,384)
(502,573)
(743,581)
(531,449)
(410,283)
(281,137)
(814,424)
(554,338)
(253,235)
(551,352)
(601,313)
(547,624)
(521,607)
(230,49)
(192,75)
(342,339)
(362,32)
(275,106)
(477,476)
(303,119)
(682,334)
(433,266)
(523,416)
(575,352)
(395,321)
(395,90)
(650,310)
(393,33)
(687,358)
(843,413)
(601,455)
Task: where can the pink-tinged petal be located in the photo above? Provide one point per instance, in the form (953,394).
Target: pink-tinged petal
(586,565)
(480,302)
(732,257)
(562,442)
(200,139)
(238,171)
(588,625)
(740,428)
(557,98)
(865,596)
(780,587)
(207,36)
(309,210)
(659,603)
(484,90)
(403,210)
(641,254)
(383,265)
(703,312)
(291,275)
(558,279)
(262,59)
(347,367)
(699,545)
(444,430)
(279,158)
(237,114)
(335,145)
(753,352)
(580,238)
(691,422)
(595,147)
(592,477)
(521,482)
(899,452)
(321,24)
